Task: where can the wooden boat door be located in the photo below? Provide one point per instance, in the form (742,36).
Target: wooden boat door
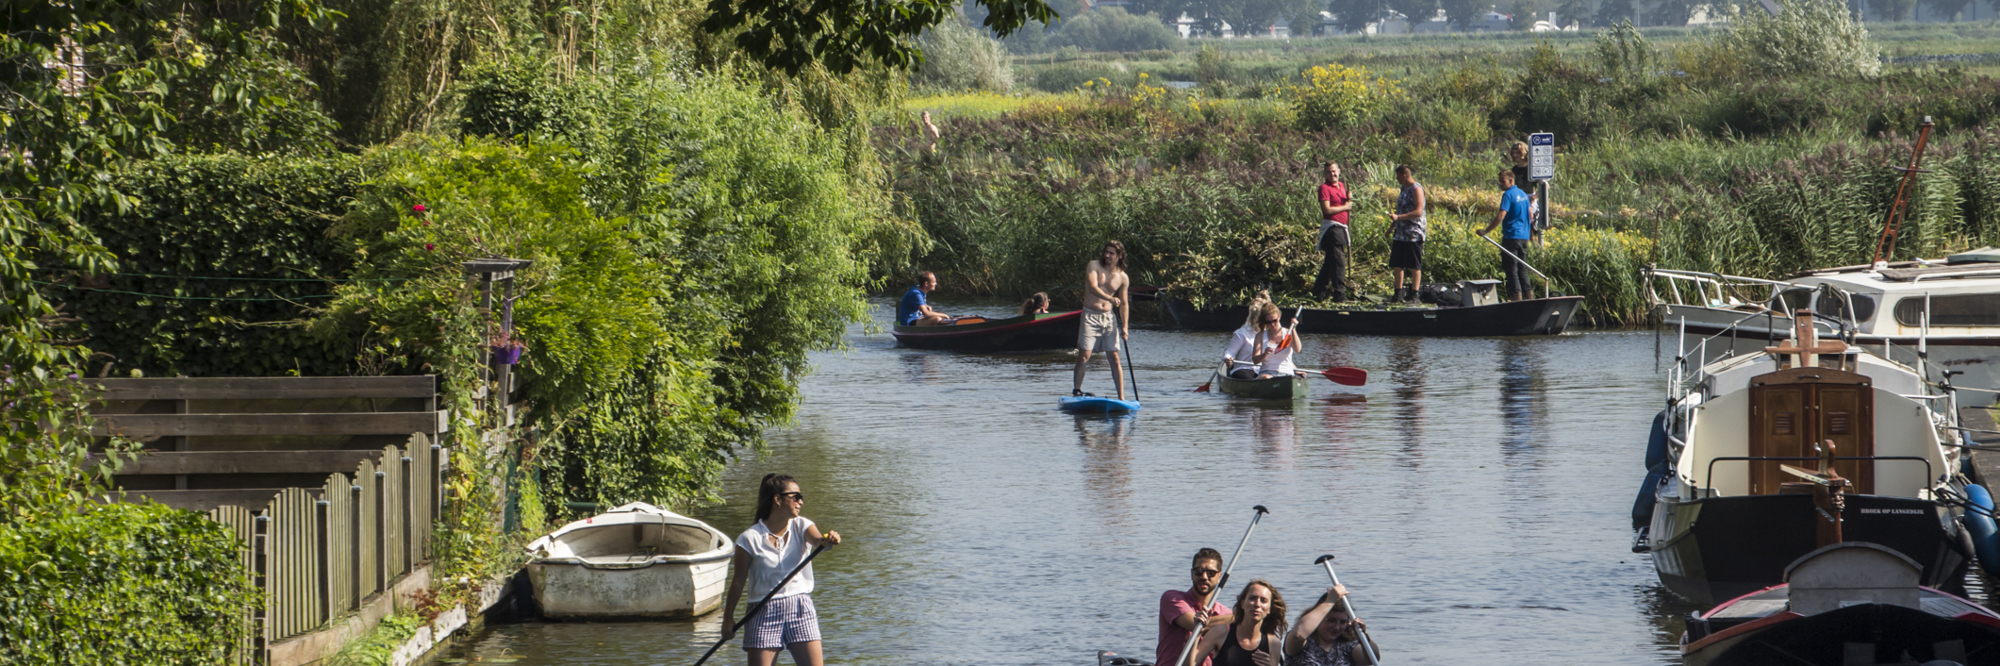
(1793,408)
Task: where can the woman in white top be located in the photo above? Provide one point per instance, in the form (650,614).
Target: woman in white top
(776,544)
(1275,344)
(1243,344)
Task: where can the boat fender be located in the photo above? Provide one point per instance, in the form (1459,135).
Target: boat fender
(1656,471)
(1979,521)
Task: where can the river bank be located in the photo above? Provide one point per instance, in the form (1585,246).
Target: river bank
(1476,492)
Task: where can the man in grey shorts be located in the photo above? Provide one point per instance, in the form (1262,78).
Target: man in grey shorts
(1105,317)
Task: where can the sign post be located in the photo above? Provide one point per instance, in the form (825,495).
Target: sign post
(1541,170)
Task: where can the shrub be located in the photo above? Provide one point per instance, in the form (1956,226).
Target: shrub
(1808,37)
(1336,96)
(1112,29)
(959,57)
(1068,77)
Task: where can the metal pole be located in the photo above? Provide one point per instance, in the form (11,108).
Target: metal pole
(1196,636)
(1373,656)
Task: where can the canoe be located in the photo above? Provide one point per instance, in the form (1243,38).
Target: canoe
(634,561)
(1537,316)
(1276,388)
(1096,405)
(1846,603)
(1055,330)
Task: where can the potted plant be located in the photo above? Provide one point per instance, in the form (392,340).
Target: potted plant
(506,348)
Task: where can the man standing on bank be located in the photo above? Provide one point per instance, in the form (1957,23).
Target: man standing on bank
(1513,221)
(1181,612)
(1333,239)
(1406,236)
(1105,315)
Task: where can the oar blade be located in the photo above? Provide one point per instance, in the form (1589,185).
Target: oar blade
(1347,376)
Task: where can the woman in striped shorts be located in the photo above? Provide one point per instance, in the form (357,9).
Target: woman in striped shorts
(777,543)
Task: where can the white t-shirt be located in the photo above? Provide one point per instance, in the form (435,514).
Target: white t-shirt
(1241,346)
(772,557)
(1279,360)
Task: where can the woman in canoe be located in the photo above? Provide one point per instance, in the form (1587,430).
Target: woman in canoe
(1256,637)
(1236,358)
(1327,635)
(776,544)
(1275,344)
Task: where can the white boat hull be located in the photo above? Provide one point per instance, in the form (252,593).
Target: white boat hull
(655,590)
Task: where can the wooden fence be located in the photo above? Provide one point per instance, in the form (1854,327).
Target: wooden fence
(316,549)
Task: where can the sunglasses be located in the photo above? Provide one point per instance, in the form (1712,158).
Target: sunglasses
(1208,573)
(797,496)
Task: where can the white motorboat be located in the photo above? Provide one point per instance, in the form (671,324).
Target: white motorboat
(1730,509)
(637,560)
(1952,305)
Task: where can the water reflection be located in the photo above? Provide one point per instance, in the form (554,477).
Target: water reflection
(1407,370)
(1108,464)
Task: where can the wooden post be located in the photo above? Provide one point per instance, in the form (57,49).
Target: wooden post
(323,543)
(409,517)
(381,532)
(356,547)
(260,569)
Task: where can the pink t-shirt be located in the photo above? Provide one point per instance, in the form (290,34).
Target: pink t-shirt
(1173,638)
(1336,193)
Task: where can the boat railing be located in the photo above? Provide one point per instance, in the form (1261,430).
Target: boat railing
(1709,288)
(1708,481)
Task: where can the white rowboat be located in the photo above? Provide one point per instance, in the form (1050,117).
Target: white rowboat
(637,560)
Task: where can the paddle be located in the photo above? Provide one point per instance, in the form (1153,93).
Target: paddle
(1127,344)
(1281,344)
(1205,603)
(1343,375)
(767,599)
(1524,262)
(1373,656)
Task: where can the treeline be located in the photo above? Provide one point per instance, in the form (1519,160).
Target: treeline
(288,187)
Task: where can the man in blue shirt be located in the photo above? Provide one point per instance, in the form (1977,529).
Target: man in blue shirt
(915,308)
(1514,230)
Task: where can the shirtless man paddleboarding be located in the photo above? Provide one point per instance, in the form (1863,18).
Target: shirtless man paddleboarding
(1105,317)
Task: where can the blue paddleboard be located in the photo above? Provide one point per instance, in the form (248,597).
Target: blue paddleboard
(1096,405)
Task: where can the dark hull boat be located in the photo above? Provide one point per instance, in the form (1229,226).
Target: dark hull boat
(1025,333)
(1732,546)
(1276,388)
(1539,316)
(1851,603)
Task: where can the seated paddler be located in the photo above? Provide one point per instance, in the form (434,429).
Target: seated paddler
(1236,358)
(1275,344)
(915,308)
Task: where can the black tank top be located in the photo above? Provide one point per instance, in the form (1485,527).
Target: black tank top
(1233,654)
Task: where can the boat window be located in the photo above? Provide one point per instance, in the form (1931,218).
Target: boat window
(1793,300)
(1832,305)
(1953,310)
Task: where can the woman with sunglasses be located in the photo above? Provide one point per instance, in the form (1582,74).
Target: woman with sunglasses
(776,544)
(1327,635)
(1275,344)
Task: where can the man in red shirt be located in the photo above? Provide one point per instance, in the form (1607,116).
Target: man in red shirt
(1180,612)
(1333,238)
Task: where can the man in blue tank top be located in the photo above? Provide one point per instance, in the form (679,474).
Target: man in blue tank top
(1514,232)
(915,308)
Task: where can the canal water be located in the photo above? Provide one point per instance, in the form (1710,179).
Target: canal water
(1476,494)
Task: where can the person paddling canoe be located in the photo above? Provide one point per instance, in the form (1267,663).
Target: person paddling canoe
(1275,344)
(1255,638)
(1182,611)
(1105,317)
(1236,358)
(1327,635)
(773,546)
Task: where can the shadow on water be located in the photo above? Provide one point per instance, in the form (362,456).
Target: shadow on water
(986,527)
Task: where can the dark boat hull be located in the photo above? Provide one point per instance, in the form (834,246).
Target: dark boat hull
(1275,388)
(1047,331)
(1717,549)
(1539,316)
(1884,632)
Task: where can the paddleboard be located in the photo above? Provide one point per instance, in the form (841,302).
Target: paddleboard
(1096,405)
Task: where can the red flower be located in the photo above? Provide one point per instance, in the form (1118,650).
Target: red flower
(419,208)
(429,246)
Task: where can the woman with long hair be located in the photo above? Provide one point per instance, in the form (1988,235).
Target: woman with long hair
(776,544)
(1327,635)
(1256,637)
(1275,344)
(1036,304)
(1243,343)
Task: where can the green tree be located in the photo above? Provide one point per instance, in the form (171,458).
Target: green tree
(844,36)
(1951,8)
(1355,15)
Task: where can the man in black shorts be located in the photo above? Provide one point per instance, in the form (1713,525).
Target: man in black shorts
(1406,236)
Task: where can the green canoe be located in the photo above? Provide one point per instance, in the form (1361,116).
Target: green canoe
(1275,388)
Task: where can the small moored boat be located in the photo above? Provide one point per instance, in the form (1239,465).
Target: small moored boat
(634,561)
(1846,603)
(1054,330)
(1294,387)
